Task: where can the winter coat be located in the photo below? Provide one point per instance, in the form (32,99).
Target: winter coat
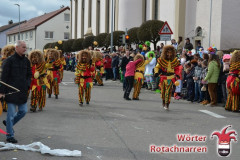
(16,71)
(213,72)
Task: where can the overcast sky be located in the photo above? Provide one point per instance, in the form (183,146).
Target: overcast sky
(28,9)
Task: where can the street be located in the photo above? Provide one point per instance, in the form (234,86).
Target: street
(111,128)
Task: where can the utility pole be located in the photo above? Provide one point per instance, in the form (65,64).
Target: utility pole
(18,20)
(112,29)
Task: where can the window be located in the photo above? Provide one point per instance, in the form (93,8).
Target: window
(156,10)
(31,34)
(66,35)
(14,38)
(26,35)
(10,39)
(66,17)
(21,36)
(49,34)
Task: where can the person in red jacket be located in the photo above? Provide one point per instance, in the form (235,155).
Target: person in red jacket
(107,61)
(129,75)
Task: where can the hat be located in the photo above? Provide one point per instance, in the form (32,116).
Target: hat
(187,39)
(194,61)
(226,56)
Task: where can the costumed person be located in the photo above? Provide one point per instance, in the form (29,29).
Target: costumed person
(139,75)
(168,68)
(6,52)
(54,66)
(84,75)
(62,58)
(99,67)
(151,85)
(233,83)
(39,80)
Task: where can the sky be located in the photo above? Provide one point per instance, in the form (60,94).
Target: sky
(28,9)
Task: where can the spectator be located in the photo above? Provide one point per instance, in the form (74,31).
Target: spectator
(107,61)
(212,77)
(188,45)
(180,45)
(204,84)
(115,62)
(17,73)
(123,65)
(197,82)
(174,43)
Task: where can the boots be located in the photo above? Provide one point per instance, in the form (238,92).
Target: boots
(163,103)
(149,86)
(33,109)
(153,86)
(127,96)
(56,96)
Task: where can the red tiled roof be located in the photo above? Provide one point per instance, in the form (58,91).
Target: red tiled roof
(34,22)
(8,26)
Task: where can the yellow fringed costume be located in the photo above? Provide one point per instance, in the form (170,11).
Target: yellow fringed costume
(233,83)
(84,74)
(139,75)
(168,67)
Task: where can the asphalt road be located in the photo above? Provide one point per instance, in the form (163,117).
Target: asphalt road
(111,128)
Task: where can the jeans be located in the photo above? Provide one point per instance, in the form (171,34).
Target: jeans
(114,73)
(129,85)
(124,79)
(13,117)
(198,94)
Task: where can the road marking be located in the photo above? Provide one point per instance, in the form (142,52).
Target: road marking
(121,115)
(66,83)
(212,114)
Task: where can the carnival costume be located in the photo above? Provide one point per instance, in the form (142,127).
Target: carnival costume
(54,67)
(39,81)
(233,83)
(63,62)
(151,84)
(167,67)
(139,75)
(7,51)
(84,74)
(99,68)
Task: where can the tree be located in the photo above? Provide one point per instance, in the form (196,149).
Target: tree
(101,39)
(48,45)
(67,45)
(78,44)
(116,35)
(133,38)
(148,31)
(88,41)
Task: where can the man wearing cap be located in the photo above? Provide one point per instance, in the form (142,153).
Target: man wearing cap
(188,45)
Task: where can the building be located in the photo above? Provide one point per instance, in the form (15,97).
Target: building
(44,29)
(211,22)
(4,29)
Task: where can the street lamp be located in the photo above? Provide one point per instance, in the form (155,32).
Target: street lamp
(18,20)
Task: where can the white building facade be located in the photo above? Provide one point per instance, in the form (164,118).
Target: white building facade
(211,22)
(42,30)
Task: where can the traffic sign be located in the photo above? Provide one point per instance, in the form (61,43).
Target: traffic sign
(165,29)
(165,37)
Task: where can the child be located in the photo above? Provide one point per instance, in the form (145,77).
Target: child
(190,81)
(224,74)
(197,81)
(204,86)
(129,76)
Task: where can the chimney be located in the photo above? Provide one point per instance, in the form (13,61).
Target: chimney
(10,22)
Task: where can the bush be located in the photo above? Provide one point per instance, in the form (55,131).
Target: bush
(78,44)
(67,45)
(101,39)
(133,38)
(116,35)
(148,31)
(88,41)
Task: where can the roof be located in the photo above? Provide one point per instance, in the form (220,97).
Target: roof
(35,22)
(8,26)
